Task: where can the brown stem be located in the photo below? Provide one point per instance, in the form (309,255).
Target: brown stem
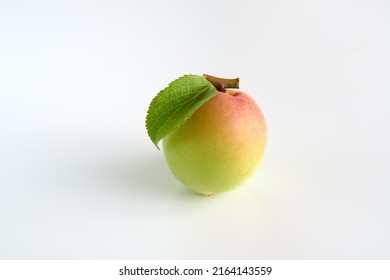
(221,84)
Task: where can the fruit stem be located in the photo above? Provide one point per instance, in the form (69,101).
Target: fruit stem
(221,84)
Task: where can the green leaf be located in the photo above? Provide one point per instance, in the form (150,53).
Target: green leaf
(175,104)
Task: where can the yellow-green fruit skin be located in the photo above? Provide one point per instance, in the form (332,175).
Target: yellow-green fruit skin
(219,146)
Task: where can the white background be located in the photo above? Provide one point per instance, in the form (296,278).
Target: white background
(79,178)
